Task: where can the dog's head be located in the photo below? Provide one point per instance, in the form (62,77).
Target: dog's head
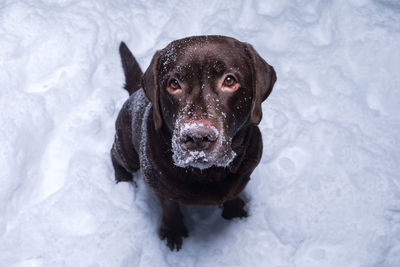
(204,90)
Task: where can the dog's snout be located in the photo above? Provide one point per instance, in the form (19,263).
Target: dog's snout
(199,135)
(198,141)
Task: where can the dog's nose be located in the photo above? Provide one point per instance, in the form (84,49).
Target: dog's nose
(199,135)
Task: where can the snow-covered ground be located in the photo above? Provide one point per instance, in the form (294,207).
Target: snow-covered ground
(327,192)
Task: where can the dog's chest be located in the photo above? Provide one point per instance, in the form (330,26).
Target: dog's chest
(209,186)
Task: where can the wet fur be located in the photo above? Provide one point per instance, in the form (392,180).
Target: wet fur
(143,141)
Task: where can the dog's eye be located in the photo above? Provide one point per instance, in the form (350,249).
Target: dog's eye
(229,84)
(229,81)
(174,84)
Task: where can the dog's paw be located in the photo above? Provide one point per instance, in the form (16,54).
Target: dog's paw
(174,236)
(234,209)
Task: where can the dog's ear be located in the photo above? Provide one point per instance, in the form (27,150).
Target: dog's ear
(264,78)
(151,88)
(132,70)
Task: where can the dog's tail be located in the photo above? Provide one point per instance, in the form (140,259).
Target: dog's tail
(132,70)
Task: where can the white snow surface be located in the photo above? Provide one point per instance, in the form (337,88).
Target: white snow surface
(326,193)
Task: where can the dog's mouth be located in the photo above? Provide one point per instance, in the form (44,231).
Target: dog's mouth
(201,145)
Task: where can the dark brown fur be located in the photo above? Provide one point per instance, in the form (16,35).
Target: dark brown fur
(200,61)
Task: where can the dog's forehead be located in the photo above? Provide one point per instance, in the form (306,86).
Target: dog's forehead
(214,54)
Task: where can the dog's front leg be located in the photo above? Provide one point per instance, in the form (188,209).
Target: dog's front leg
(234,209)
(172,227)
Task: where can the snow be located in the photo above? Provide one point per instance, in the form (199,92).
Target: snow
(327,192)
(220,155)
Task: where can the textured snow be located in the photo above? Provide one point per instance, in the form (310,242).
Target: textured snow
(326,193)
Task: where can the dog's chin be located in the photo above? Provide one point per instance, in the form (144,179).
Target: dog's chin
(202,159)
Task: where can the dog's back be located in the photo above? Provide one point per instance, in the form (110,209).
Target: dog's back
(124,154)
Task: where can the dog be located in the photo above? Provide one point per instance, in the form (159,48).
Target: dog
(190,125)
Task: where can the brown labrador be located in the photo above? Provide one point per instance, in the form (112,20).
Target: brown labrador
(190,125)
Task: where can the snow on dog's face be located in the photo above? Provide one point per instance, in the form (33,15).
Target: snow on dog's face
(199,143)
(204,91)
